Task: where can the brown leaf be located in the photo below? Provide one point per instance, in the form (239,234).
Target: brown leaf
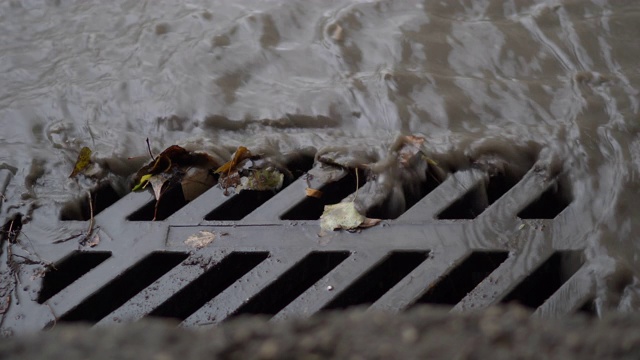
(411,146)
(313,193)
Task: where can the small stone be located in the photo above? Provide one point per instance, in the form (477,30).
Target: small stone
(329,288)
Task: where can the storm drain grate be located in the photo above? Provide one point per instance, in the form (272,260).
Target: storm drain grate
(468,240)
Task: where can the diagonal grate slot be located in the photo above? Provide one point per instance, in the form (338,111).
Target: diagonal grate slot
(124,287)
(454,286)
(377,281)
(480,197)
(170,202)
(208,285)
(413,191)
(240,205)
(550,203)
(69,270)
(101,198)
(332,193)
(294,282)
(469,206)
(536,288)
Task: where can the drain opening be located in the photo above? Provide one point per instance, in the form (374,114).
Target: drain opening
(170,202)
(377,281)
(208,285)
(480,197)
(332,193)
(588,308)
(11,230)
(550,203)
(464,278)
(467,207)
(124,287)
(412,191)
(245,202)
(70,269)
(80,209)
(536,288)
(240,205)
(294,282)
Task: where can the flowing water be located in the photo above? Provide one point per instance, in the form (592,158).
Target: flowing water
(512,79)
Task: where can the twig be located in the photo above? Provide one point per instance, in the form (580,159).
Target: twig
(357,186)
(91,221)
(149,148)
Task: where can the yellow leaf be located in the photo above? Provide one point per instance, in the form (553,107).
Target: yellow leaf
(240,154)
(84,159)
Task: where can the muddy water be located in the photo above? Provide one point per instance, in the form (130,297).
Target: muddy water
(511,79)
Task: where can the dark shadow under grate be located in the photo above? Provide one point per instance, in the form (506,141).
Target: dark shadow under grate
(480,197)
(536,288)
(550,203)
(293,283)
(68,270)
(101,198)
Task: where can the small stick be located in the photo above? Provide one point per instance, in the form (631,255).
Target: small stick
(149,148)
(357,186)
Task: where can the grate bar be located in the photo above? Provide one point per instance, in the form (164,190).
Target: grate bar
(579,289)
(453,188)
(407,291)
(151,297)
(332,284)
(248,286)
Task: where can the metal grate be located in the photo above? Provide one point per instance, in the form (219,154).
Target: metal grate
(267,257)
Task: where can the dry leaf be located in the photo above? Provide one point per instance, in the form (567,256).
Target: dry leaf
(94,241)
(344,216)
(200,239)
(313,193)
(240,154)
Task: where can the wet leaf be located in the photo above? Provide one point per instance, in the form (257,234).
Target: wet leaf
(344,216)
(200,239)
(313,193)
(241,154)
(411,145)
(83,161)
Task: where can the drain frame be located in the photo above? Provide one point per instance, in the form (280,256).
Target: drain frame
(288,242)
